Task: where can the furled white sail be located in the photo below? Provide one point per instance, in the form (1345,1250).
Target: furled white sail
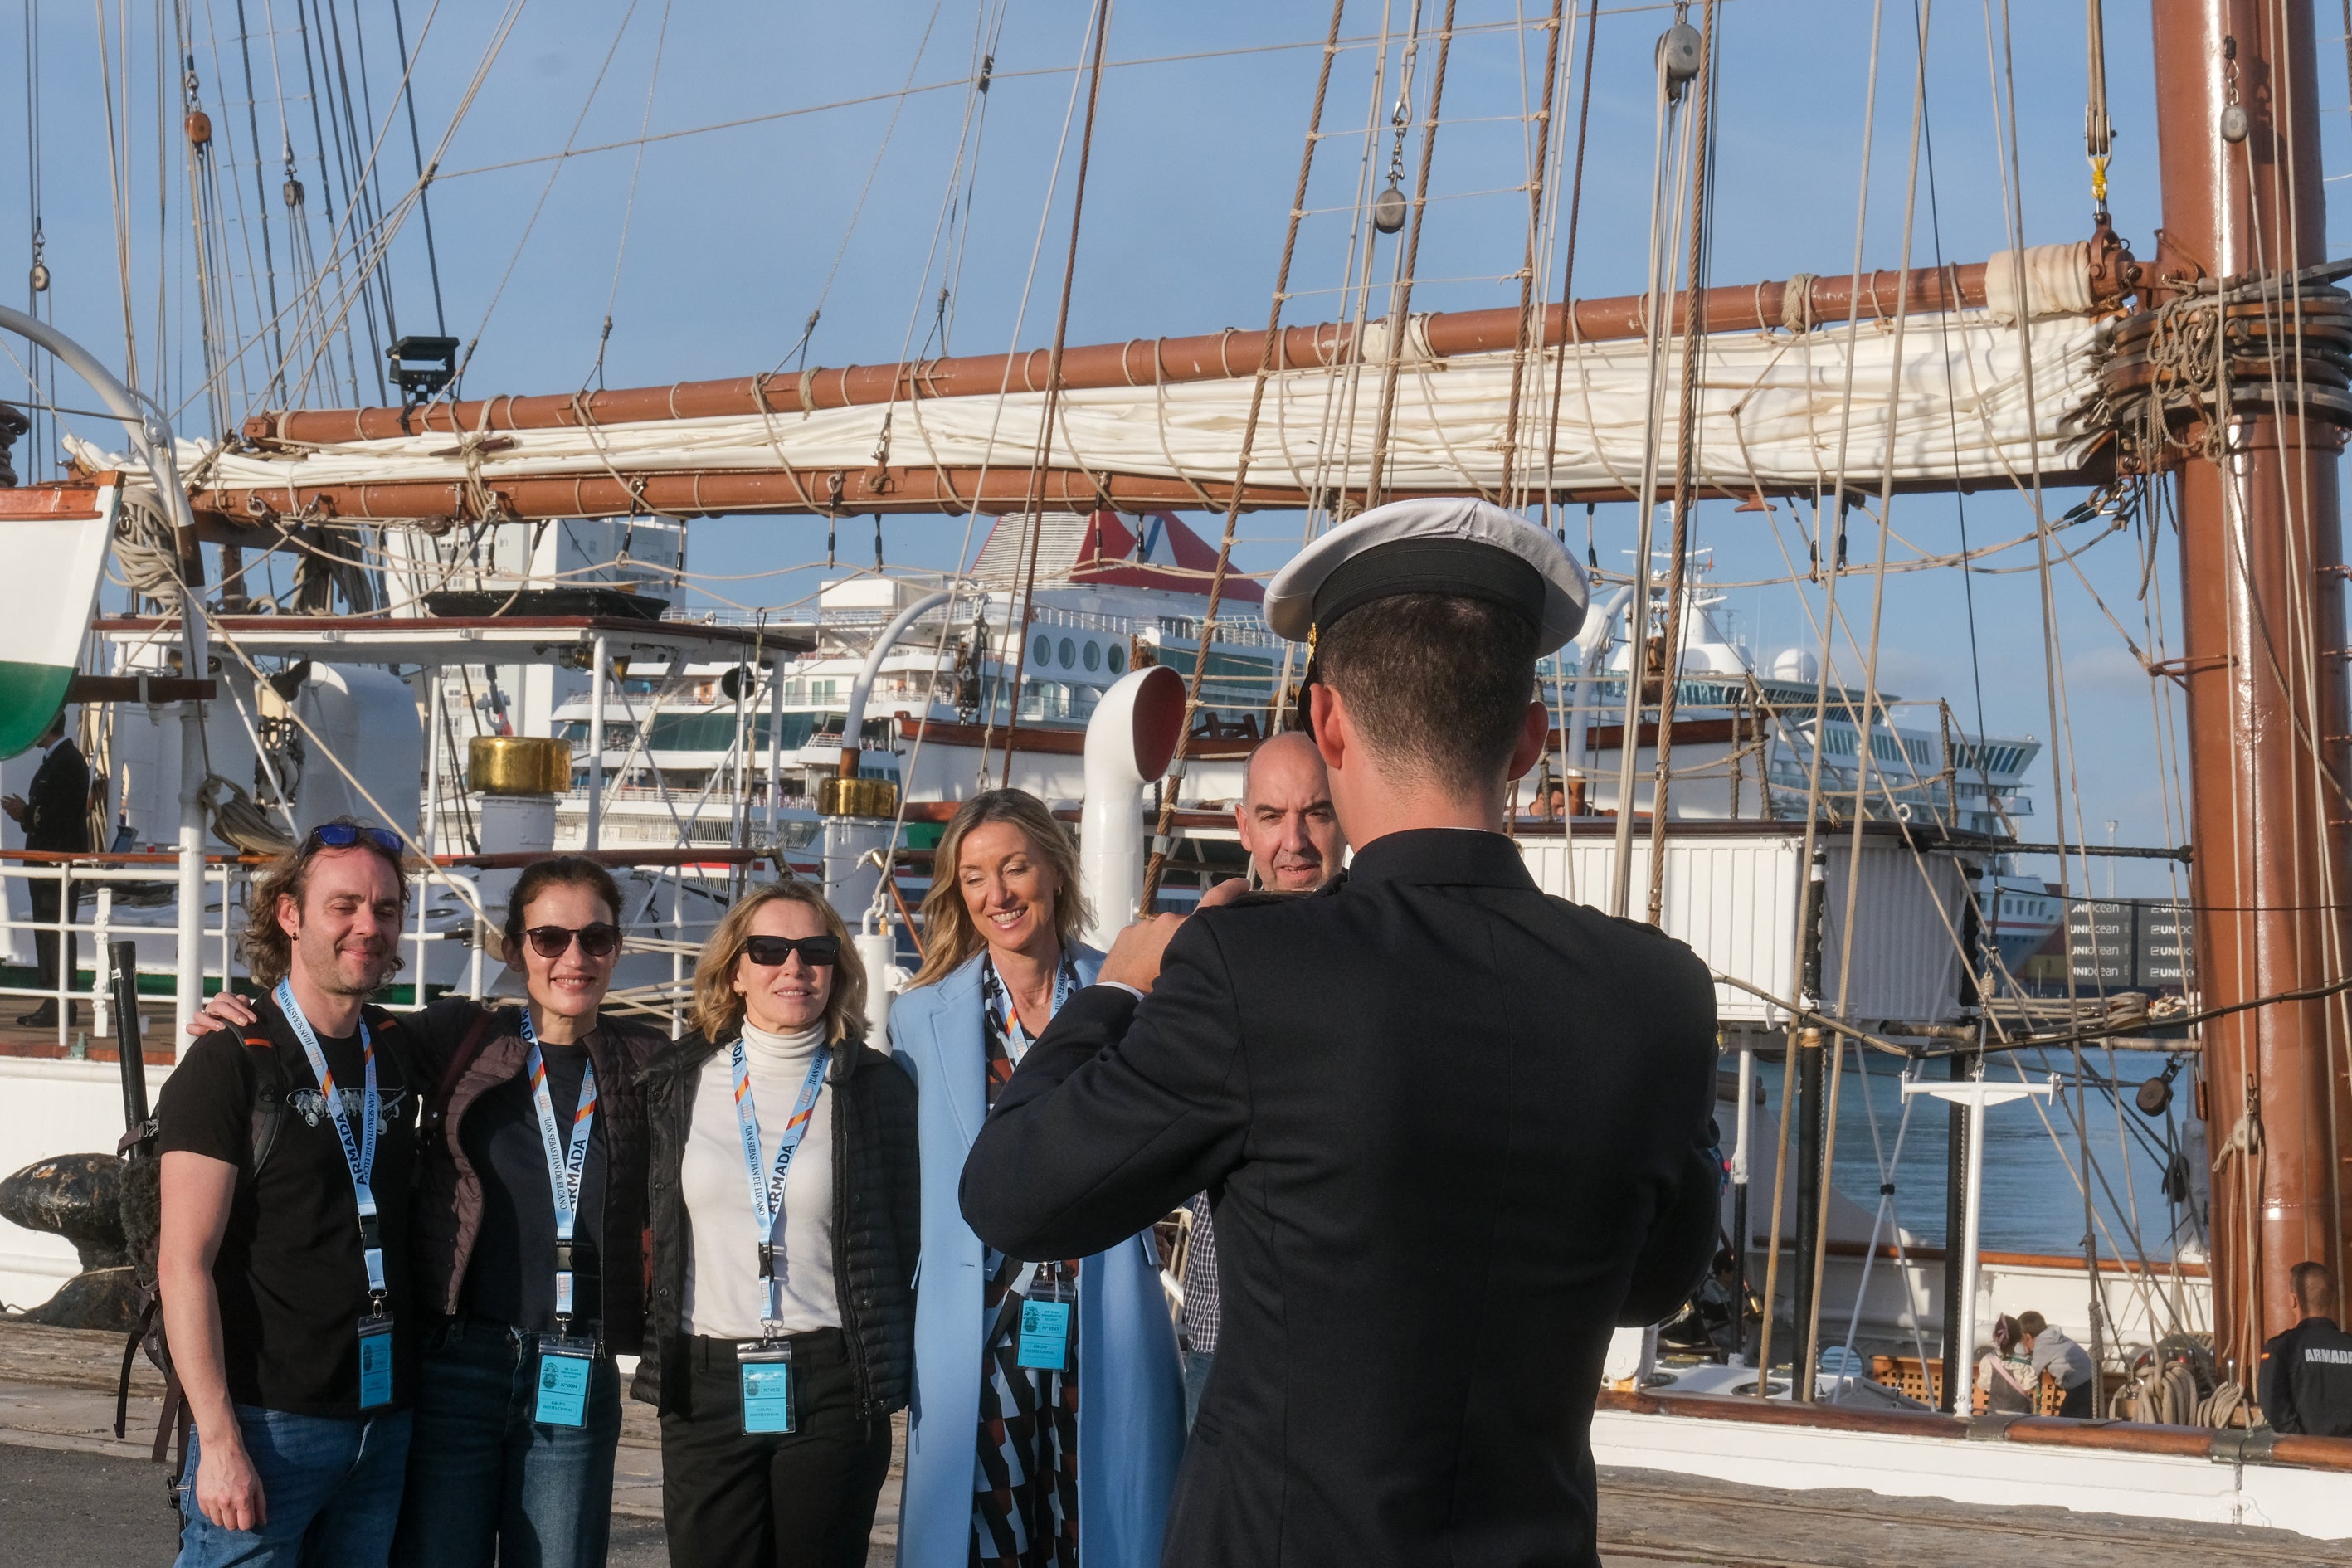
(1776,411)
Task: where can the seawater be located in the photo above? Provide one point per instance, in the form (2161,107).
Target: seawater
(2032,1201)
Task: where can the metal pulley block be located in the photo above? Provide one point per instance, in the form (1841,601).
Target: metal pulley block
(1389,210)
(1678,55)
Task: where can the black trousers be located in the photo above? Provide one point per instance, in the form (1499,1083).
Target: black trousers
(2077,1401)
(789,1500)
(47,898)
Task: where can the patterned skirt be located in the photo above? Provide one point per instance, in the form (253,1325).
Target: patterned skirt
(1025,1485)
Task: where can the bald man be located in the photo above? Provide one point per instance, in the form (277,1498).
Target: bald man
(1295,846)
(1286,818)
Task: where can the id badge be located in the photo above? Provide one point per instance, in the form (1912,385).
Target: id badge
(565,1369)
(1045,1335)
(765,1369)
(376,1361)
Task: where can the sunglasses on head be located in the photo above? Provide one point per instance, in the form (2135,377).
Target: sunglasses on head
(597,940)
(342,835)
(816,952)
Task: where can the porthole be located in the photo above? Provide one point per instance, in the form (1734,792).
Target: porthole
(1094,655)
(1041,652)
(1069,654)
(1116,657)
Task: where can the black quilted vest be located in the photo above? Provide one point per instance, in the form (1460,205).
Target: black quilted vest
(877,1229)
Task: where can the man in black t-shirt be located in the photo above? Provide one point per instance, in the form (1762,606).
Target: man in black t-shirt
(2306,1382)
(288,1311)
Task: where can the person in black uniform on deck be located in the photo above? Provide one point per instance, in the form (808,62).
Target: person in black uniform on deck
(2305,1385)
(1454,1131)
(55,816)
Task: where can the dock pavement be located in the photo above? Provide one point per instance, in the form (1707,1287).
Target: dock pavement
(72,1494)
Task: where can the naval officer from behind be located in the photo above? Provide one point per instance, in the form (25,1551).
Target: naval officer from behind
(1454,1131)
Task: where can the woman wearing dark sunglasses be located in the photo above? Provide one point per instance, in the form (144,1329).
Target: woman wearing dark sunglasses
(785,1212)
(528,1220)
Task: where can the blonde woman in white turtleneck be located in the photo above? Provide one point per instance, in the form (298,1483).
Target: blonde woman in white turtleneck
(776,1388)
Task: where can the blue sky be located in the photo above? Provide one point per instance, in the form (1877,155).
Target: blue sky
(736,233)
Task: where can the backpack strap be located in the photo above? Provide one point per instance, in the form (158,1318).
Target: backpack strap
(171,1423)
(138,1337)
(269,1093)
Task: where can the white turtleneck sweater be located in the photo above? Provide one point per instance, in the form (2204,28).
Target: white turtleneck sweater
(724,1297)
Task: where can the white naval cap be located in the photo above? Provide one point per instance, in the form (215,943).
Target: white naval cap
(1440,544)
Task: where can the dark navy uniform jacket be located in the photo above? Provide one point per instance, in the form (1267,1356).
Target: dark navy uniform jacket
(1454,1131)
(2307,1380)
(57,803)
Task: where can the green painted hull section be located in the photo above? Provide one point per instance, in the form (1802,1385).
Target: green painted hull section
(30,696)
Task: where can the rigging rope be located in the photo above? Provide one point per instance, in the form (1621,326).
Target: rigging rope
(1812,858)
(1157,861)
(628,210)
(1863,768)
(996,689)
(1530,333)
(969,137)
(2098,136)
(1401,299)
(1695,275)
(1657,310)
(1046,422)
(417,151)
(1568,268)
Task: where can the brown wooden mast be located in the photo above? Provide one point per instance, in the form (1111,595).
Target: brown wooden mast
(2264,626)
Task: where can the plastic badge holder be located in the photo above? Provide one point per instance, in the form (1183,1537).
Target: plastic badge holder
(565,1369)
(376,1363)
(765,1369)
(1046,1327)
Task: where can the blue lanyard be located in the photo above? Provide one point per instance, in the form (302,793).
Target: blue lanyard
(564,1167)
(767,1194)
(358,1153)
(1017,1038)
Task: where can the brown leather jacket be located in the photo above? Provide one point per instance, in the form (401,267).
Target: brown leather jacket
(447,1214)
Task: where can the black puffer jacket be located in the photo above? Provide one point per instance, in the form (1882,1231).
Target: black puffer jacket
(877,1229)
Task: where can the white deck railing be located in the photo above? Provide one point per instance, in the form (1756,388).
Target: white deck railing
(672,903)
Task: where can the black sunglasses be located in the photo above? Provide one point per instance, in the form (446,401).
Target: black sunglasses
(342,835)
(597,940)
(816,952)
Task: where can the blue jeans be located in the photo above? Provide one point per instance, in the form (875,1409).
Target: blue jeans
(1196,1378)
(488,1483)
(330,1484)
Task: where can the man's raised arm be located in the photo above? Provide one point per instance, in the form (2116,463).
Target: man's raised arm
(1121,1111)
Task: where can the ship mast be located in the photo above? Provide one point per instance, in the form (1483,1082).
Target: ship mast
(2263,605)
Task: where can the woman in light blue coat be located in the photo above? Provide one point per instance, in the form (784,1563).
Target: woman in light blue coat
(1048,1416)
